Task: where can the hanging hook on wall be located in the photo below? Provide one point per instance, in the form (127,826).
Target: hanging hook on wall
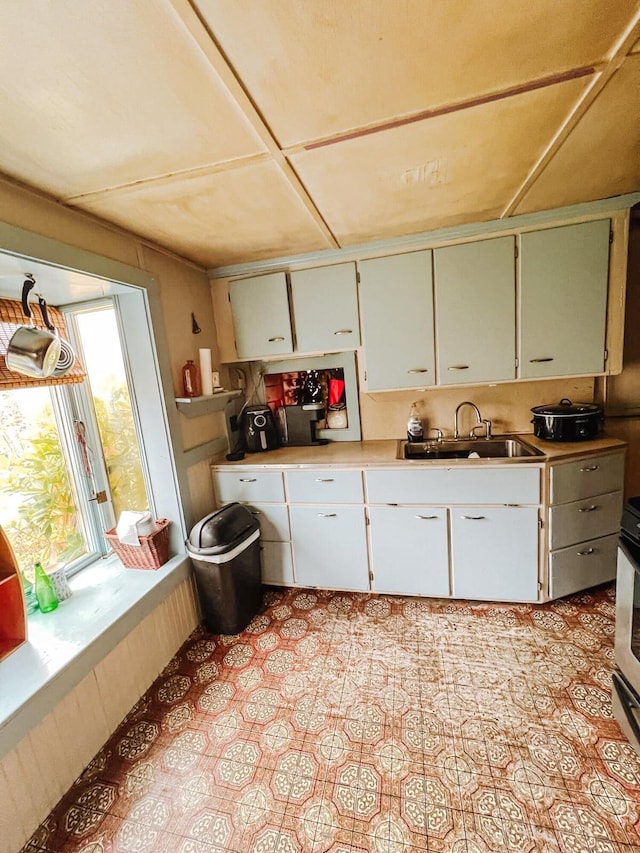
(195,328)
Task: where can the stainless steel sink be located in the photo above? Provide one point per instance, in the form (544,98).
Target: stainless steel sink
(500,447)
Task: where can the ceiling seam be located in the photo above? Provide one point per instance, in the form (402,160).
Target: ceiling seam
(617,56)
(199,30)
(424,115)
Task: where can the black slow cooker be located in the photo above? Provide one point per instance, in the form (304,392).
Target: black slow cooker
(567,421)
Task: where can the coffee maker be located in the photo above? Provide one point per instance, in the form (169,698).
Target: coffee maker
(298,425)
(259,429)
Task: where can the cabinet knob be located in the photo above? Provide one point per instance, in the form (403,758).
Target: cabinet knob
(588,508)
(277,338)
(426,517)
(327,514)
(418,370)
(248,479)
(344,332)
(590,468)
(539,360)
(473,517)
(458,367)
(587,552)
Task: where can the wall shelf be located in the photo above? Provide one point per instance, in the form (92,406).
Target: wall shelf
(195,407)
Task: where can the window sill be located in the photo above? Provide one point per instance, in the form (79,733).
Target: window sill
(108,601)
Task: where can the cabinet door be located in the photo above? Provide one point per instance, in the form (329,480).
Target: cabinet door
(261,319)
(495,553)
(325,308)
(475,298)
(248,486)
(563,300)
(330,547)
(409,550)
(276,563)
(396,309)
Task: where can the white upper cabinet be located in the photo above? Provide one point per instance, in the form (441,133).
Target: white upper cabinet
(396,310)
(563,300)
(475,299)
(261,319)
(325,308)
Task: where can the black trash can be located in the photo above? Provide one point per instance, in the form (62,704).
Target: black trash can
(225,551)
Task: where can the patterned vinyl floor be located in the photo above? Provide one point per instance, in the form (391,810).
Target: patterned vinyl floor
(351,722)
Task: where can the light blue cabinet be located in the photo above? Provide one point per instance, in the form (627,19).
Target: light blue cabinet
(409,550)
(260,308)
(396,311)
(325,308)
(494,553)
(475,307)
(563,300)
(330,546)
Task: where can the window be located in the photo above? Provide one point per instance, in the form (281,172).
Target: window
(70,458)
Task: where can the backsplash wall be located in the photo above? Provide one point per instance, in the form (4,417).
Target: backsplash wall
(507,406)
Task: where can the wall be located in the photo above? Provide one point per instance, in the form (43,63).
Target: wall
(622,393)
(184,288)
(44,765)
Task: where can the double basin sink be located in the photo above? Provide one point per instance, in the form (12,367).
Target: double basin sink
(500,447)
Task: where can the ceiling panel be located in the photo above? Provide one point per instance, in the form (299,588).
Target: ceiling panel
(601,156)
(318,69)
(459,167)
(107,94)
(228,217)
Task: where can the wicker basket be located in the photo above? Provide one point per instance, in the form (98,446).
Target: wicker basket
(152,552)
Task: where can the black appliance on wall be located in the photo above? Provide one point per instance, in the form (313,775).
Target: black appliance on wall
(258,429)
(626,676)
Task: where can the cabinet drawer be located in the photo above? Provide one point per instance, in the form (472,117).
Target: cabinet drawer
(248,486)
(273,520)
(448,486)
(277,563)
(585,519)
(582,566)
(593,475)
(343,487)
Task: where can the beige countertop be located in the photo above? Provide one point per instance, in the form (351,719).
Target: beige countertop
(363,454)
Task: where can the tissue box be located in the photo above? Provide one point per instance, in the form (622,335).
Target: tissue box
(152,552)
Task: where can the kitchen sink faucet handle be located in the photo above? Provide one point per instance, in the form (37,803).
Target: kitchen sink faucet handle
(486,425)
(439,433)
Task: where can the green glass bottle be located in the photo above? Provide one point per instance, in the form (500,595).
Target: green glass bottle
(45,592)
(30,600)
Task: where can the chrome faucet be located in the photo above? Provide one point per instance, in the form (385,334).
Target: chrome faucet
(479,421)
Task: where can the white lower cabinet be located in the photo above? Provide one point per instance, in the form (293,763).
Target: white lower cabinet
(494,553)
(330,546)
(410,550)
(277,563)
(584,522)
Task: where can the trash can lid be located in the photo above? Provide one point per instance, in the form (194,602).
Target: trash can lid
(222,530)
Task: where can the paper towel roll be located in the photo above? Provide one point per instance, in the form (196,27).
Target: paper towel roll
(205,371)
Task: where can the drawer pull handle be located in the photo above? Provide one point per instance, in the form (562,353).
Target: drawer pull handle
(587,552)
(277,339)
(327,514)
(418,370)
(344,332)
(590,468)
(459,367)
(473,517)
(324,480)
(539,360)
(426,517)
(591,508)
(248,480)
